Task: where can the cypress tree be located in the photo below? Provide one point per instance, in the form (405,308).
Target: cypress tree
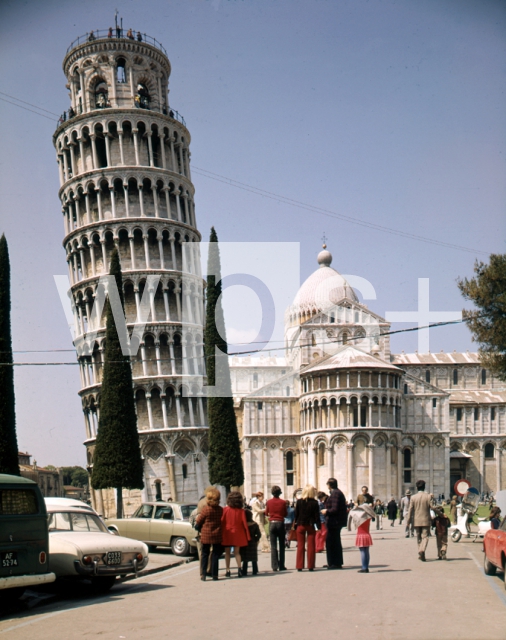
(225,461)
(8,440)
(117,459)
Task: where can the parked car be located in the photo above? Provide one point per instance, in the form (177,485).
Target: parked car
(81,547)
(494,547)
(160,524)
(23,537)
(68,502)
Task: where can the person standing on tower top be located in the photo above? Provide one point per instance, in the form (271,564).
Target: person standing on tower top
(109,33)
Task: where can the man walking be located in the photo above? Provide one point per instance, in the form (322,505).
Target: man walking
(419,514)
(336,516)
(404,508)
(365,497)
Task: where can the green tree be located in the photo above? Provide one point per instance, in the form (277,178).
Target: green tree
(117,458)
(225,461)
(487,290)
(75,476)
(8,441)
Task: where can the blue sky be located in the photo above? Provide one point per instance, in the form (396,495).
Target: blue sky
(388,112)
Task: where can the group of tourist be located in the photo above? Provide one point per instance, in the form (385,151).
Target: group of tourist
(314,521)
(119,34)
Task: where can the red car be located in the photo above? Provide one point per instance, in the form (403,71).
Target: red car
(494,546)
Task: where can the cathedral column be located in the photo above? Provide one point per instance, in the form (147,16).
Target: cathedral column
(173,159)
(127,208)
(166,304)
(146,251)
(136,146)
(264,469)
(132,252)
(177,291)
(389,470)
(498,467)
(400,470)
(143,358)
(313,453)
(113,201)
(431,467)
(330,454)
(155,200)
(150,410)
(93,151)
(122,157)
(172,361)
(349,469)
(482,469)
(178,410)
(99,204)
(172,477)
(150,149)
(178,205)
(137,304)
(164,411)
(141,200)
(158,359)
(371,467)
(173,254)
(248,471)
(167,201)
(162,147)
(107,150)
(104,257)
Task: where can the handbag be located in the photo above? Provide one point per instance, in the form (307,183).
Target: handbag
(292,535)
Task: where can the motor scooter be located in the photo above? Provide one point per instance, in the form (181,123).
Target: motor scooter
(465,513)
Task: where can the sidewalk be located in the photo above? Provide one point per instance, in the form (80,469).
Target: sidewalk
(401,599)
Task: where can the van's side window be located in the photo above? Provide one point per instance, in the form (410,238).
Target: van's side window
(18,502)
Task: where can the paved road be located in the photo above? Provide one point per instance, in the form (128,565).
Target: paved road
(401,598)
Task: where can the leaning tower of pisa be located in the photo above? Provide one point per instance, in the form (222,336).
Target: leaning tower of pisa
(124,163)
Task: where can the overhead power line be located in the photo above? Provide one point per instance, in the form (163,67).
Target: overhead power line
(284,199)
(233,353)
(326,212)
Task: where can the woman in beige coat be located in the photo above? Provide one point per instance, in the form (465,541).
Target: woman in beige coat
(258,508)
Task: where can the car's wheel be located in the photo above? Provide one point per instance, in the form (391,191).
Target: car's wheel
(151,548)
(102,584)
(488,567)
(180,546)
(456,535)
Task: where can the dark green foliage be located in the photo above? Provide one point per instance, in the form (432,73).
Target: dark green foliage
(488,323)
(117,459)
(74,476)
(225,462)
(8,440)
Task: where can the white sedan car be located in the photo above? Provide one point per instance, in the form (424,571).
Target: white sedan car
(81,546)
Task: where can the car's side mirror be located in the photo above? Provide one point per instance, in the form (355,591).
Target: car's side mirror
(167,516)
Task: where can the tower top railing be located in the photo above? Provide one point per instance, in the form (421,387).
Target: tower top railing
(117,34)
(167,111)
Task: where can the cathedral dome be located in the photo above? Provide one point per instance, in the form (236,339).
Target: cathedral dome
(324,288)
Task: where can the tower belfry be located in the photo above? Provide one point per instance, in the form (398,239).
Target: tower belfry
(124,163)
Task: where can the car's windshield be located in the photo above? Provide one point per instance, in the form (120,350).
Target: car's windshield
(78,522)
(186,510)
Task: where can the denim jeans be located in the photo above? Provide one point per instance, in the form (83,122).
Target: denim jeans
(277,537)
(364,556)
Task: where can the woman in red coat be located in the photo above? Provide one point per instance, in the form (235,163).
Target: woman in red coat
(235,532)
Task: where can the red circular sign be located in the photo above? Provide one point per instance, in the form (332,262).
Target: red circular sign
(461,487)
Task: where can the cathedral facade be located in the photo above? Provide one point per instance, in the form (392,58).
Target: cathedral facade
(341,404)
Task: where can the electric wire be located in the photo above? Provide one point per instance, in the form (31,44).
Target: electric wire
(286,200)
(233,353)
